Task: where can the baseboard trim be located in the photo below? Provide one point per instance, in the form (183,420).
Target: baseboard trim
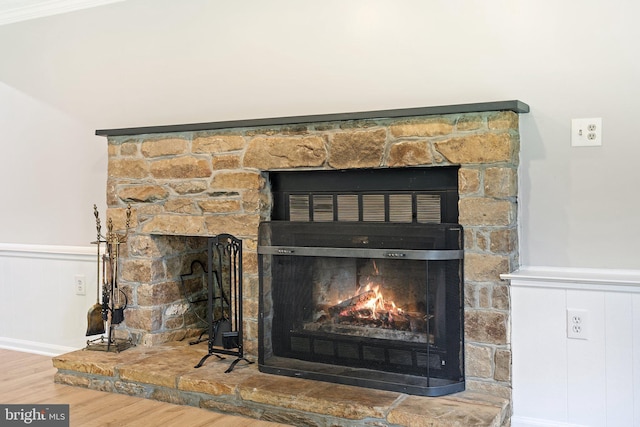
(34,347)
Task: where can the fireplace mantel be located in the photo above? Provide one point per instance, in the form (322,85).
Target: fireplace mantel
(513,105)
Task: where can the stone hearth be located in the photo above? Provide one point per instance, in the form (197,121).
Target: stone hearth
(165,372)
(187,182)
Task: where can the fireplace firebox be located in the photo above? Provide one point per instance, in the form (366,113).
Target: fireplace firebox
(375,300)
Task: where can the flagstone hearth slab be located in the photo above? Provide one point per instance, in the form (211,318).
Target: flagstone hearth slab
(166,372)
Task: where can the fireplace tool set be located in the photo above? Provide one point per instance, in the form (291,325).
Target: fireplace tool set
(104,316)
(224,299)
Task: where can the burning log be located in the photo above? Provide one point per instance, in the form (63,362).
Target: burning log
(352,304)
(369,309)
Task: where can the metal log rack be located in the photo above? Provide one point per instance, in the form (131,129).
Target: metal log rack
(224,299)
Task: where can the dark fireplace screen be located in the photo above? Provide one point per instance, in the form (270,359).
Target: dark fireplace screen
(377,305)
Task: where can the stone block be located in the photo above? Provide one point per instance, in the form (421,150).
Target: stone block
(478,211)
(486,326)
(507,120)
(478,361)
(266,153)
(175,224)
(174,322)
(482,242)
(220,206)
(484,297)
(182,206)
(470,295)
(470,122)
(73,380)
(469,239)
(118,216)
(142,193)
(164,147)
(317,397)
(143,246)
(481,267)
(170,396)
(128,148)
(158,293)
(237,180)
(500,182)
(236,225)
(127,168)
(444,412)
(503,365)
(256,201)
(477,148)
(468,181)
(226,162)
(489,388)
(183,167)
(250,262)
(503,240)
(146,319)
(500,299)
(357,149)
(189,187)
(426,127)
(136,270)
(217,143)
(409,153)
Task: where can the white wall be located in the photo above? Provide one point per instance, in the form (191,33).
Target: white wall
(144,62)
(39,309)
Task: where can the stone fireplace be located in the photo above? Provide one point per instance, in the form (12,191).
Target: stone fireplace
(187,182)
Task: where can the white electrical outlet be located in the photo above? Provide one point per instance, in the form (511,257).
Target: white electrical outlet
(80,284)
(577,324)
(586,132)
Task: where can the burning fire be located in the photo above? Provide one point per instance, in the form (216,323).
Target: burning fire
(368,306)
(368,303)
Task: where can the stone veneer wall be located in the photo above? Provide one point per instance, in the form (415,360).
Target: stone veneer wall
(210,182)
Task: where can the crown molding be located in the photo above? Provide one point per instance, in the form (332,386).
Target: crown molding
(38,9)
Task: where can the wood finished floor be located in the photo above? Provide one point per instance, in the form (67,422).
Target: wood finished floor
(27,378)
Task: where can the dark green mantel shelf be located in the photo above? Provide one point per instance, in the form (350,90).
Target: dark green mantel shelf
(514,105)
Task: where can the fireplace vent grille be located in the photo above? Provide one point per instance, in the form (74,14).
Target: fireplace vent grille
(402,208)
(394,195)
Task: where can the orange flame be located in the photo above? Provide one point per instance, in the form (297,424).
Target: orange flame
(373,307)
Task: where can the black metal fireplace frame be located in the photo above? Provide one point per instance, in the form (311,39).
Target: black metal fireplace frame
(360,374)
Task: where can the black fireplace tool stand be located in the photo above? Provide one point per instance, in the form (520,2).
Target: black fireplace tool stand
(224,299)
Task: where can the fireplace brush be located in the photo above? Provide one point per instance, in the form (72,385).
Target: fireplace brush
(95,323)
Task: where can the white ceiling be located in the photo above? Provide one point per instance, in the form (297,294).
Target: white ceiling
(21,10)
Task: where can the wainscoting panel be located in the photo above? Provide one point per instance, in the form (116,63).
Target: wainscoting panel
(561,381)
(39,309)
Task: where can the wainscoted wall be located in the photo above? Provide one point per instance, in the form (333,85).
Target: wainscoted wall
(559,381)
(39,309)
